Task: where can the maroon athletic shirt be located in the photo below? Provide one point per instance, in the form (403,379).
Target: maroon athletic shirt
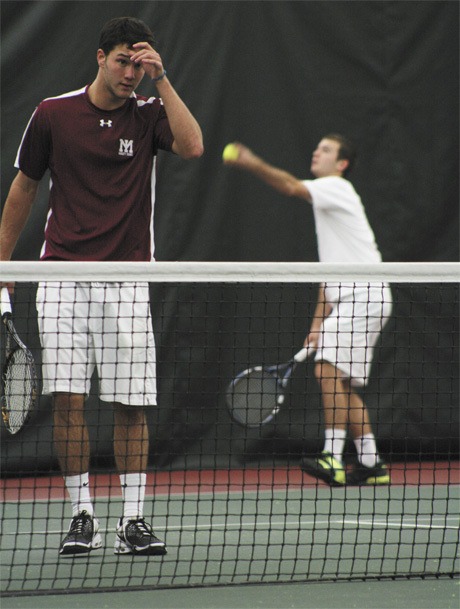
(102,166)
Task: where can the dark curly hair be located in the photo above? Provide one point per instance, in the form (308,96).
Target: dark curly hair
(124,30)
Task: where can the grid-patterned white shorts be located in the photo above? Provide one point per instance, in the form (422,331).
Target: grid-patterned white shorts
(349,334)
(98,326)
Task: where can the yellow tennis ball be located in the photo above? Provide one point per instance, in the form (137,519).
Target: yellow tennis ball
(230,153)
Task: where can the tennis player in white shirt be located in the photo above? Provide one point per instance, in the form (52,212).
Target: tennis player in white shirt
(348,318)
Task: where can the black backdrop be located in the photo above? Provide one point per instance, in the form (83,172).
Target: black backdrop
(277,76)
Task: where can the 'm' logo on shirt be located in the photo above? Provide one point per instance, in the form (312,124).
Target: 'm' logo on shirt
(126,148)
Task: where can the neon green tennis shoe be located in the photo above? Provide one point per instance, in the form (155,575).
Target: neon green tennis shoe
(326,468)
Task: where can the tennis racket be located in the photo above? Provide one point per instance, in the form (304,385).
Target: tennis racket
(19,379)
(256,395)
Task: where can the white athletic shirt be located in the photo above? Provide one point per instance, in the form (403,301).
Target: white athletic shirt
(342,228)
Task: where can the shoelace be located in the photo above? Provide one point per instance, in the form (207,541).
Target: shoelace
(142,525)
(78,523)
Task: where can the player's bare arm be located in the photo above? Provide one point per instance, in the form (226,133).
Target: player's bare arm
(279,179)
(15,212)
(188,139)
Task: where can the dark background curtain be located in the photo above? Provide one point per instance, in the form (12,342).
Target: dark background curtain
(276,76)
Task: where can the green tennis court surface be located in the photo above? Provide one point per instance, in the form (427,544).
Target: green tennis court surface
(394,594)
(268,533)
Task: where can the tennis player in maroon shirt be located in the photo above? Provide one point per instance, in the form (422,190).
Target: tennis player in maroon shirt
(100,145)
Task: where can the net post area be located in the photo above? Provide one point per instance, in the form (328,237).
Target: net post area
(161,376)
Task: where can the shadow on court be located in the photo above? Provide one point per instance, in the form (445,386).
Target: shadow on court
(407,594)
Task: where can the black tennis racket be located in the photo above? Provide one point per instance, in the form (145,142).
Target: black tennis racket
(19,379)
(256,395)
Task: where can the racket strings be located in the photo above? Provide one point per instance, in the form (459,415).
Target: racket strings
(254,398)
(19,388)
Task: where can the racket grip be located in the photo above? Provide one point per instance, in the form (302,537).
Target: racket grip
(5,302)
(302,355)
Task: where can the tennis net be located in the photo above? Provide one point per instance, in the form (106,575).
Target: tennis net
(232,502)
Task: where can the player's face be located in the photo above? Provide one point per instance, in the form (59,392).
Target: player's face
(121,75)
(324,160)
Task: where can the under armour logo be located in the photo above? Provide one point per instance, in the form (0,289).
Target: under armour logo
(104,123)
(126,148)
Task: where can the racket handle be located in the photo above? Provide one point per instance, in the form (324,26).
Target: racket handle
(302,355)
(5,302)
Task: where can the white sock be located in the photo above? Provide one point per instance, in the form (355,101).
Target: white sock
(79,493)
(133,491)
(334,442)
(367,450)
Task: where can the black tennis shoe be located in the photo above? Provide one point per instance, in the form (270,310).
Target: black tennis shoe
(369,476)
(136,537)
(83,535)
(326,468)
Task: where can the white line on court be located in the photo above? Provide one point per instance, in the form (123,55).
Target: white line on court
(283,525)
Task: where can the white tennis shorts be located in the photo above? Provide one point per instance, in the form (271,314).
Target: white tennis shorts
(349,334)
(98,326)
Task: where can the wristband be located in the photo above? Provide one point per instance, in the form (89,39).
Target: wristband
(159,77)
